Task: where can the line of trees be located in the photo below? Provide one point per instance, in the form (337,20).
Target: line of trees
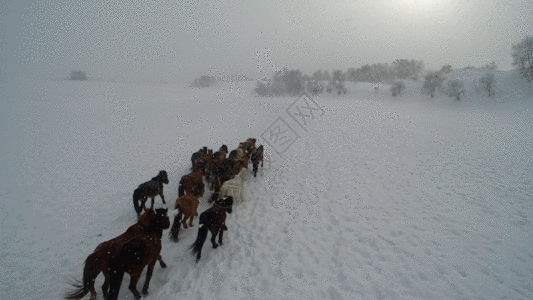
(294,81)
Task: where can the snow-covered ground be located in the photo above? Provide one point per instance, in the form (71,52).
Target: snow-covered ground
(382,198)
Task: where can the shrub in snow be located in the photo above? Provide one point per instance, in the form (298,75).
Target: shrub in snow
(77,75)
(455,88)
(314,87)
(432,81)
(203,81)
(397,88)
(523,57)
(488,82)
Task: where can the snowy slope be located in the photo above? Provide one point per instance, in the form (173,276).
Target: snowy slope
(383,198)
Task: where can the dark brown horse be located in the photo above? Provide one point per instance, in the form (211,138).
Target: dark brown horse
(192,183)
(200,160)
(149,189)
(98,261)
(214,220)
(228,169)
(186,205)
(257,156)
(216,160)
(135,254)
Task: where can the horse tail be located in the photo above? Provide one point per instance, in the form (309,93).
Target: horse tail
(199,243)
(175,230)
(181,188)
(90,272)
(136,197)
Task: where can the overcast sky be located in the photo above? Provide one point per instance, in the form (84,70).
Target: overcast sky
(179,39)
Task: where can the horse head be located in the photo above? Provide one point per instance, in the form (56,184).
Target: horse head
(243,174)
(162,220)
(163,177)
(226,203)
(224,148)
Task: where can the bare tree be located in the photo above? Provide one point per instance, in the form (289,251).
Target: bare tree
(523,57)
(488,81)
(432,81)
(397,88)
(455,88)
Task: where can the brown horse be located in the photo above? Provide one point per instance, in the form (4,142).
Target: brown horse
(149,189)
(249,145)
(192,183)
(257,156)
(135,254)
(214,220)
(186,205)
(216,160)
(98,261)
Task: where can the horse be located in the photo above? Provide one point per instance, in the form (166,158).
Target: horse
(214,220)
(149,189)
(228,169)
(249,145)
(135,254)
(191,183)
(215,161)
(257,156)
(98,261)
(186,205)
(200,160)
(235,186)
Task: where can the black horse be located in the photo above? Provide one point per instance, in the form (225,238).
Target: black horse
(214,220)
(257,157)
(149,189)
(137,253)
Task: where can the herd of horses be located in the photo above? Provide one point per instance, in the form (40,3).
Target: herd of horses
(140,245)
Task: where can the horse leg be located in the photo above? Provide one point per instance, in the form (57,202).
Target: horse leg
(161,262)
(143,203)
(135,275)
(184,222)
(148,277)
(115,283)
(105,287)
(162,198)
(152,206)
(220,234)
(214,233)
(190,220)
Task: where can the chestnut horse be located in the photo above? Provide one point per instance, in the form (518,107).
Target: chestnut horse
(135,254)
(186,205)
(214,220)
(149,189)
(192,183)
(98,261)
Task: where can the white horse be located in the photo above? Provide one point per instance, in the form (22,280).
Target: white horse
(235,186)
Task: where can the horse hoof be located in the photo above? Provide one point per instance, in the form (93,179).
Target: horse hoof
(163,265)
(145,292)
(215,246)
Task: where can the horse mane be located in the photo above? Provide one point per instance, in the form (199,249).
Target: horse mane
(224,148)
